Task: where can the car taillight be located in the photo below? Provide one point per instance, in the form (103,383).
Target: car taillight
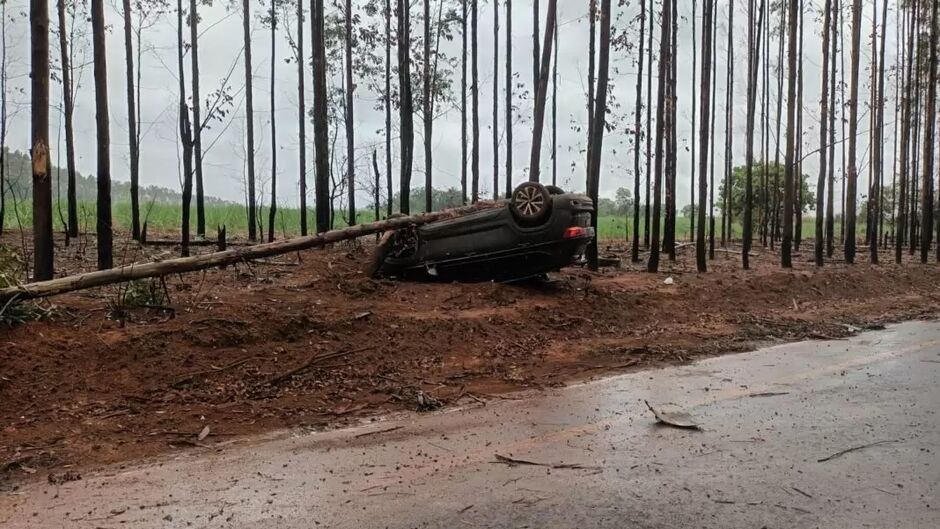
(575,232)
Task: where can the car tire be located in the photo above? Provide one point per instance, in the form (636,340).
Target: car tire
(531,203)
(555,190)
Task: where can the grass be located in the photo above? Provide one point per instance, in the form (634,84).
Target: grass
(166,218)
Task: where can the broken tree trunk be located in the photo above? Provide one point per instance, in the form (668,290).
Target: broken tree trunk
(190,264)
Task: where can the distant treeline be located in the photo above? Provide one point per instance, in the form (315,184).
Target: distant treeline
(19,181)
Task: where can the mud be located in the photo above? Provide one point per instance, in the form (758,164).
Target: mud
(98,383)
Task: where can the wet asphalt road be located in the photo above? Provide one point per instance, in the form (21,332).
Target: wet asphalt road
(768,418)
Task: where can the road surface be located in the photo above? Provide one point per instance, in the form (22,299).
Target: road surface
(840,434)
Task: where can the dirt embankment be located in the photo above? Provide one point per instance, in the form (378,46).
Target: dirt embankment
(307,341)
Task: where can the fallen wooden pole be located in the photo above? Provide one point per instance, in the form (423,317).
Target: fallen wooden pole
(200,262)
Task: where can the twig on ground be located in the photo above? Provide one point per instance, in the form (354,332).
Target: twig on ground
(855,449)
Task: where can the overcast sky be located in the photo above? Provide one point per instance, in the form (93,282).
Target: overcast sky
(224,162)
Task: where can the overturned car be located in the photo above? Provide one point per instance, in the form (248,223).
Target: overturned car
(540,229)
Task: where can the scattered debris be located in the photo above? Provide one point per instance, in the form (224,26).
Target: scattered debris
(513,462)
(204,433)
(804,493)
(675,419)
(378,432)
(769,394)
(65,477)
(426,402)
(669,281)
(855,449)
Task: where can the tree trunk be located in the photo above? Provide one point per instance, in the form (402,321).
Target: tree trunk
(786,247)
(669,227)
(536,153)
(830,197)
(649,127)
(301,117)
(727,218)
(929,142)
(186,138)
(554,107)
(592,46)
(509,80)
(103,136)
(3,111)
(775,188)
(754,39)
(798,153)
(637,137)
(475,110)
(852,182)
(406,106)
(272,210)
(350,131)
(652,265)
(197,120)
(134,157)
(228,257)
(69,111)
(713,152)
(536,53)
(250,120)
(463,104)
(496,100)
(823,135)
(706,75)
(388,108)
(428,121)
(378,186)
(42,183)
(599,123)
(692,160)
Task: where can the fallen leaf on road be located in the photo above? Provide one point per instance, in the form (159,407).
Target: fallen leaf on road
(675,419)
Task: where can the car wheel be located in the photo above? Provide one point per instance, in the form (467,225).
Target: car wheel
(530,203)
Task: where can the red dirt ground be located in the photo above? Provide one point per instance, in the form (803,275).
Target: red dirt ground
(96,384)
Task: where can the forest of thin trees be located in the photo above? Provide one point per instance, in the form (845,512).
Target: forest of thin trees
(398,51)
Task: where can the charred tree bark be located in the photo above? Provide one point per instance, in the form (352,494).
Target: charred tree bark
(103,140)
(134,148)
(3,111)
(39,97)
(185,134)
(649,127)
(321,130)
